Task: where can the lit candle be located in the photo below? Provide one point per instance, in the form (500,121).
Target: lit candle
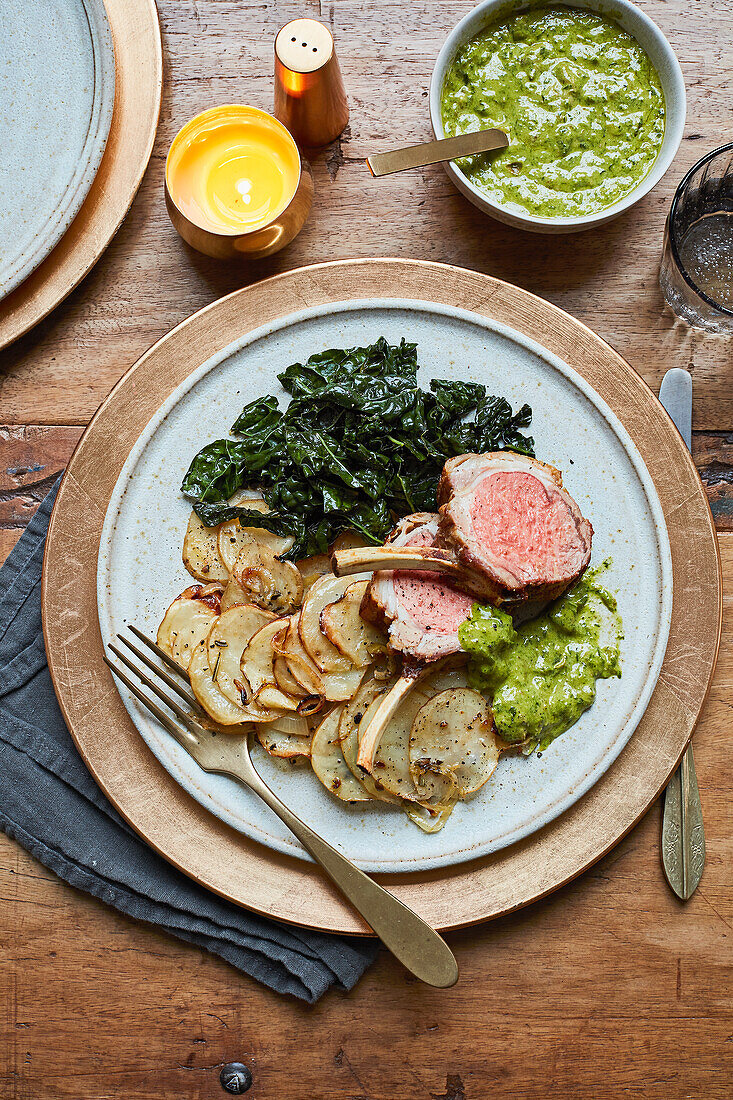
(235,183)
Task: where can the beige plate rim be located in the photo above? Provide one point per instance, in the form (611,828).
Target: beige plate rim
(138,91)
(277,885)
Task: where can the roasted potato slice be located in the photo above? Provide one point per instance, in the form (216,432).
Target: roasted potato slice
(221,709)
(186,623)
(351,716)
(391,762)
(322,592)
(226,643)
(201,552)
(230,533)
(232,595)
(258,656)
(344,627)
(285,679)
(453,734)
(300,666)
(328,762)
(280,743)
(270,583)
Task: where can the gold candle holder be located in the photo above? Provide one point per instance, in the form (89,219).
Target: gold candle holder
(216,184)
(309,90)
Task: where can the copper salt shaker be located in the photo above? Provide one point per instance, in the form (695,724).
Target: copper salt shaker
(309,91)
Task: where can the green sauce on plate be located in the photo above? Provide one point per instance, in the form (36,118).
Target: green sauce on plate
(580,100)
(542,676)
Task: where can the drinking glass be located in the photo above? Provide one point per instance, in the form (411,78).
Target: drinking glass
(696,274)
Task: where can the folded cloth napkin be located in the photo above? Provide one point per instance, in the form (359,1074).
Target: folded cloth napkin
(51,805)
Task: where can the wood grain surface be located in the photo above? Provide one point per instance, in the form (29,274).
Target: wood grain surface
(611,988)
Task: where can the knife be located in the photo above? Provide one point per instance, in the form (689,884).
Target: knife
(683,835)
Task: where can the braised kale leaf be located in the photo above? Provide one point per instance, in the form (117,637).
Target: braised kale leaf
(358,445)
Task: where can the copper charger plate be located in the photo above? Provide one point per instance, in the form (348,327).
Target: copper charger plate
(240,869)
(138,90)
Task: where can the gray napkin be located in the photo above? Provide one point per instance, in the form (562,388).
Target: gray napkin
(51,805)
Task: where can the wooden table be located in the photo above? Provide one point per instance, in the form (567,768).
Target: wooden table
(609,988)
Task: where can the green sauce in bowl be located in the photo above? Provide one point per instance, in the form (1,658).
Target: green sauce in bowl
(580,100)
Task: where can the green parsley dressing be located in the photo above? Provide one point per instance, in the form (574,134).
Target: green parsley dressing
(580,100)
(542,676)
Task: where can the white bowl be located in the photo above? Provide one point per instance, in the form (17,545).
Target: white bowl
(629,18)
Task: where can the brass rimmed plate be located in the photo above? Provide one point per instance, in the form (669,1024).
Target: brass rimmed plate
(273,882)
(137,87)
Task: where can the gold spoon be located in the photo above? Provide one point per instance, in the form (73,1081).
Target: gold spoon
(433,152)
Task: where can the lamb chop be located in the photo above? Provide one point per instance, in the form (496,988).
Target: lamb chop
(508,532)
(508,518)
(419,609)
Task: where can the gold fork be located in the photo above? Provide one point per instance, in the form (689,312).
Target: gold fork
(410,939)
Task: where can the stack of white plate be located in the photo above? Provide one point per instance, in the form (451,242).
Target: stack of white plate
(57,91)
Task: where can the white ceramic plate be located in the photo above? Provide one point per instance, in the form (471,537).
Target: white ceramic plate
(57,91)
(140,568)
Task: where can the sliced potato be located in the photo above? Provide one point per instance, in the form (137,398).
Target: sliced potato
(272,698)
(230,533)
(221,709)
(450,673)
(279,743)
(391,762)
(299,663)
(322,592)
(339,686)
(226,643)
(328,762)
(270,583)
(186,623)
(453,735)
(258,656)
(232,595)
(285,679)
(344,627)
(347,540)
(351,716)
(312,568)
(201,552)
